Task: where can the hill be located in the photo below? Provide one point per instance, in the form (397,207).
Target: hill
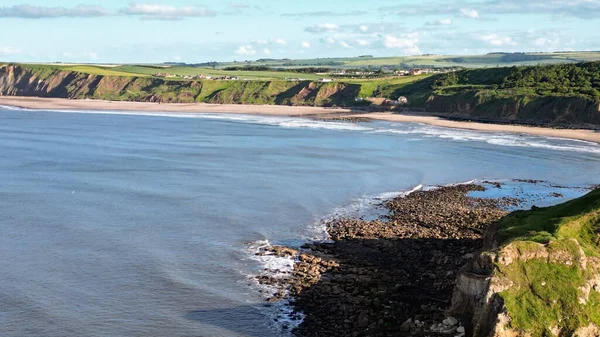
(46,81)
(423,61)
(559,95)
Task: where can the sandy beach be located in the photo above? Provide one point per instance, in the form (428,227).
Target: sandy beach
(297,111)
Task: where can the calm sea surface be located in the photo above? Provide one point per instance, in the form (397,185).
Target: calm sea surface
(137,225)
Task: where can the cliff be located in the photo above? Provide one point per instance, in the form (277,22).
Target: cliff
(548,110)
(566,95)
(504,95)
(538,276)
(16,80)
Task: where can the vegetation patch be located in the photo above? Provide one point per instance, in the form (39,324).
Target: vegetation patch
(550,256)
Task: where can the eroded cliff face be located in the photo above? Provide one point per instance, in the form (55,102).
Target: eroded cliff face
(525,288)
(16,80)
(563,111)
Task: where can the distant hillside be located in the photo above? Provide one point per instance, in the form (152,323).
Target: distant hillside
(426,61)
(561,95)
(16,80)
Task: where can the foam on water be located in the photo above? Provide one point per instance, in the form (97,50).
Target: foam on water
(428,131)
(281,312)
(281,267)
(496,138)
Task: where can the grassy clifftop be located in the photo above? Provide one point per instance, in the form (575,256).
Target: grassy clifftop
(552,258)
(17,80)
(540,275)
(563,94)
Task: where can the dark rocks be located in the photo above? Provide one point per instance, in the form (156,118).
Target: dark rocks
(347,119)
(381,277)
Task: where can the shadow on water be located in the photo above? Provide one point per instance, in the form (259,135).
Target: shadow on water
(245,321)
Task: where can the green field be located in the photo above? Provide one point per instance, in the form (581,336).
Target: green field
(372,63)
(369,86)
(149,70)
(192,71)
(434,61)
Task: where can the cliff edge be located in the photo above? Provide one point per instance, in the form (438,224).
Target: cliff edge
(539,274)
(17,80)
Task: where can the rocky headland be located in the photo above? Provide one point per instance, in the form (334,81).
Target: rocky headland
(390,276)
(424,269)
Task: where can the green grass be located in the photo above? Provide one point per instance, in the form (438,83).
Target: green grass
(577,219)
(144,71)
(439,61)
(546,293)
(368,86)
(192,71)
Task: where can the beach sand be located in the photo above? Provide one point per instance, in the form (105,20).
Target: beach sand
(297,111)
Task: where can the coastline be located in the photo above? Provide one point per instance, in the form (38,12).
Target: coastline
(397,274)
(578,134)
(39,103)
(373,279)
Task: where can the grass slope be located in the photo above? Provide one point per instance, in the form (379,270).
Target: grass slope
(549,277)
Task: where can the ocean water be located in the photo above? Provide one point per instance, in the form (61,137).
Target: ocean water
(114,224)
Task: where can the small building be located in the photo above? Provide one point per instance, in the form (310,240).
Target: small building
(416,72)
(326,80)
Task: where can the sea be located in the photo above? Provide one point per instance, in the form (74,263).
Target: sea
(147,224)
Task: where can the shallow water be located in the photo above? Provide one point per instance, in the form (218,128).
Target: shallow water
(142,225)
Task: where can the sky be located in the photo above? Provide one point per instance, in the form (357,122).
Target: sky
(194,31)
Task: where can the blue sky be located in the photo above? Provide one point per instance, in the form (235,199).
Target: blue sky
(121,31)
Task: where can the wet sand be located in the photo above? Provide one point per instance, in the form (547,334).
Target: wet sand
(297,111)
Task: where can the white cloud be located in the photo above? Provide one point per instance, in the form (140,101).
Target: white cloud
(40,12)
(345,44)
(305,44)
(90,54)
(261,42)
(165,12)
(330,40)
(585,9)
(267,51)
(442,22)
(9,51)
(322,28)
(363,42)
(280,41)
(546,43)
(67,54)
(498,40)
(364,28)
(245,50)
(177,58)
(469,13)
(407,43)
(325,14)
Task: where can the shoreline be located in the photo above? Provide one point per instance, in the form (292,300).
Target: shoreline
(375,279)
(397,274)
(39,103)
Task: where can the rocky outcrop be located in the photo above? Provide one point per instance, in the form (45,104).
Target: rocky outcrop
(526,288)
(393,276)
